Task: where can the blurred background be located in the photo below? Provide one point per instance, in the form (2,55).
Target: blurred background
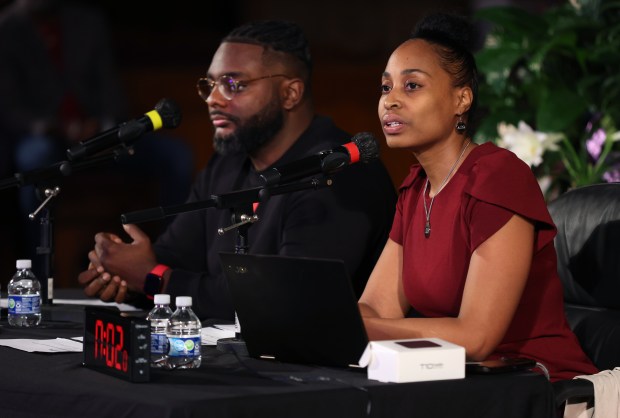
(159,50)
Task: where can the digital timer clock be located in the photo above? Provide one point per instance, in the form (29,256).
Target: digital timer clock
(117,345)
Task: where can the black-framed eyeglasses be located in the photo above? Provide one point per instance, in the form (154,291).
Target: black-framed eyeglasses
(227,85)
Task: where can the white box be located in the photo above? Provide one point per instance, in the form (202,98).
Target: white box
(413,360)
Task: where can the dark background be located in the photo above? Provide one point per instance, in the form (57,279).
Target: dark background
(162,48)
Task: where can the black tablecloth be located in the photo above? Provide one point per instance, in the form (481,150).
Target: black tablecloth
(57,385)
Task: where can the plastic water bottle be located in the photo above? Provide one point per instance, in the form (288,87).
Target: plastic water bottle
(183,334)
(24,297)
(159,316)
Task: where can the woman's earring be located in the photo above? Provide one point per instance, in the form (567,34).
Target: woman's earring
(460,125)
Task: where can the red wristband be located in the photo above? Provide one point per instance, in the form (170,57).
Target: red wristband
(159,270)
(153,281)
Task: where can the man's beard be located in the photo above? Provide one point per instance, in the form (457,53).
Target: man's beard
(252,134)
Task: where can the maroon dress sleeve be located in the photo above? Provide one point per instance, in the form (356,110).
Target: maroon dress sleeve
(499,185)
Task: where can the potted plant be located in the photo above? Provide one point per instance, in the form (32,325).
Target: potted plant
(550,89)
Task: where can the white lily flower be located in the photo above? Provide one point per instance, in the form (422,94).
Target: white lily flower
(529,145)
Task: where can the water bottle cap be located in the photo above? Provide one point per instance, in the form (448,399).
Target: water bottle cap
(183,301)
(23,264)
(161,299)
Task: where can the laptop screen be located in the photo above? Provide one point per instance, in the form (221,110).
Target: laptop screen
(296,309)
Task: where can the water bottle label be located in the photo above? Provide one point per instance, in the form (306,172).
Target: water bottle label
(24,304)
(159,344)
(184,347)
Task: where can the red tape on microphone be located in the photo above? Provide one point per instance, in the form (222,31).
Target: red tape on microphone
(353,151)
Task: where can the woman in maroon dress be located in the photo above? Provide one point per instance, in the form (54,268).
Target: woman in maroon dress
(471,248)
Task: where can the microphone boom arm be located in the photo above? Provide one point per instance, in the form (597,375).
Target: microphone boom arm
(61,169)
(224,201)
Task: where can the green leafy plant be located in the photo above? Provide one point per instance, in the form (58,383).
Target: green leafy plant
(559,73)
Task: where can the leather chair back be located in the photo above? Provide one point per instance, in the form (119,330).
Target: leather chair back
(588,249)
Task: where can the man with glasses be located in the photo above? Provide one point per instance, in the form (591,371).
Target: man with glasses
(257,91)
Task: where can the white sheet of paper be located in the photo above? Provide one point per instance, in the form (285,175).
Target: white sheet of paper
(210,335)
(123,307)
(225,327)
(57,345)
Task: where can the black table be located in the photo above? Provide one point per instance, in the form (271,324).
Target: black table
(57,385)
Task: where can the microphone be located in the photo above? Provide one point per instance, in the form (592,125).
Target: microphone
(166,114)
(363,147)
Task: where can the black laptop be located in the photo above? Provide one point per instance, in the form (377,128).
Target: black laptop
(294,309)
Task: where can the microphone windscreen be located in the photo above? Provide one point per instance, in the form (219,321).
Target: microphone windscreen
(367,145)
(170,113)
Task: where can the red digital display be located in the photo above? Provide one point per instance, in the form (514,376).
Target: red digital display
(117,345)
(109,345)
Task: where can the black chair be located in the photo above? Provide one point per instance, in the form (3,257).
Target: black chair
(588,248)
